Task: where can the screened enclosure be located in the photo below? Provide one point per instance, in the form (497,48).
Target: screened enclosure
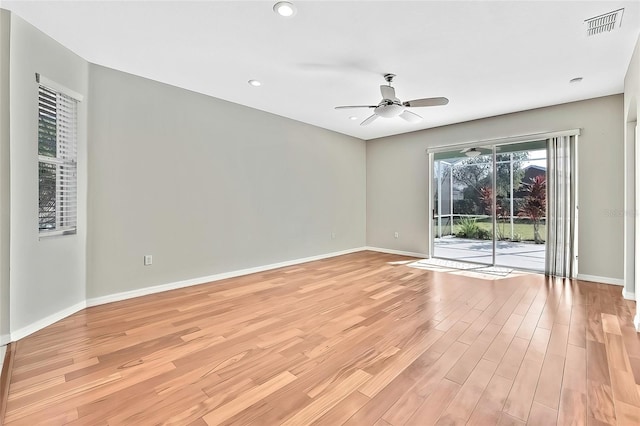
(490,208)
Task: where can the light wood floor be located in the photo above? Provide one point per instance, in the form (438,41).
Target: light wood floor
(360,339)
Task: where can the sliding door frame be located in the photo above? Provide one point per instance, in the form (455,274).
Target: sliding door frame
(494,209)
(430,206)
(494,143)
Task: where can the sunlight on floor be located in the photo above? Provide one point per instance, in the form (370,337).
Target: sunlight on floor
(473,270)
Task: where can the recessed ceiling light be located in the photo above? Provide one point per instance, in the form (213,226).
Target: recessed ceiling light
(575,80)
(353,118)
(254,83)
(284,8)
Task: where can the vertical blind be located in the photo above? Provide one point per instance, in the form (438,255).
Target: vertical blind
(57,161)
(561,253)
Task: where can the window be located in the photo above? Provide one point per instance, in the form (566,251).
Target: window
(57,156)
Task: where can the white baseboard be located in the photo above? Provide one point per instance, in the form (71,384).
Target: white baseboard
(47,321)
(116,297)
(602,280)
(636,321)
(3,351)
(5,339)
(399,252)
(628,295)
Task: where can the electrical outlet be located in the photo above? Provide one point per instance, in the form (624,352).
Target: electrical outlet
(148,259)
(333,235)
(396,235)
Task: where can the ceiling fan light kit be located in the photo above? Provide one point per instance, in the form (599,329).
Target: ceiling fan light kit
(473,152)
(390,106)
(389,110)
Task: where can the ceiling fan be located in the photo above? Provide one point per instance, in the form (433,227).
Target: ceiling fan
(390,106)
(476,151)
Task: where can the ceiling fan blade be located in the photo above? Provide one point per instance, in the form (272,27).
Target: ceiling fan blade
(355,106)
(387,92)
(482,147)
(426,102)
(369,120)
(410,116)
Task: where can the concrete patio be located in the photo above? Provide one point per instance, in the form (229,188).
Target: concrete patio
(517,255)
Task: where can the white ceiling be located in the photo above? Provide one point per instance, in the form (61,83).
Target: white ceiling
(488,58)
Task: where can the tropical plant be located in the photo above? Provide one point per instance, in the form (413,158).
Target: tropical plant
(468,228)
(486,198)
(483,234)
(535,204)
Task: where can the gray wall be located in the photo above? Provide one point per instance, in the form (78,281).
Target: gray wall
(48,275)
(207,186)
(397,178)
(631,104)
(5,26)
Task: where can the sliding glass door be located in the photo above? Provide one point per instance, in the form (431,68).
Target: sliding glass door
(462,214)
(489,205)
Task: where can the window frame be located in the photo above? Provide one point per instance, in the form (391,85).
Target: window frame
(63,159)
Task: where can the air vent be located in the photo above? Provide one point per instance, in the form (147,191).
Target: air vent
(604,23)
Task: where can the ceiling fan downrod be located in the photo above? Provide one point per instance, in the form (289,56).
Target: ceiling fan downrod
(389,78)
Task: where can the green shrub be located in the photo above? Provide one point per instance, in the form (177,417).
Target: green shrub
(468,228)
(483,234)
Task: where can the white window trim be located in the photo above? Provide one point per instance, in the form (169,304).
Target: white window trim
(502,141)
(44,81)
(52,85)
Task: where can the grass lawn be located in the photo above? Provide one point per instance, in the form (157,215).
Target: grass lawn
(523,230)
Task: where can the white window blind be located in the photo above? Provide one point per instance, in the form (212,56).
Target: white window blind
(57,162)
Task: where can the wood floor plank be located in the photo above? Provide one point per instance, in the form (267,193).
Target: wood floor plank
(507,420)
(373,410)
(463,404)
(626,397)
(550,381)
(248,398)
(323,403)
(572,408)
(577,326)
(510,363)
(542,415)
(501,343)
(429,381)
(360,339)
(489,407)
(463,368)
(600,405)
(520,398)
(573,398)
(403,409)
(404,359)
(343,410)
(433,406)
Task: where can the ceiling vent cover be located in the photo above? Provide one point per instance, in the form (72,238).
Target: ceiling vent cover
(604,23)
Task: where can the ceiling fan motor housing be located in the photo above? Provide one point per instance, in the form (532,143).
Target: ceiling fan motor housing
(389,110)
